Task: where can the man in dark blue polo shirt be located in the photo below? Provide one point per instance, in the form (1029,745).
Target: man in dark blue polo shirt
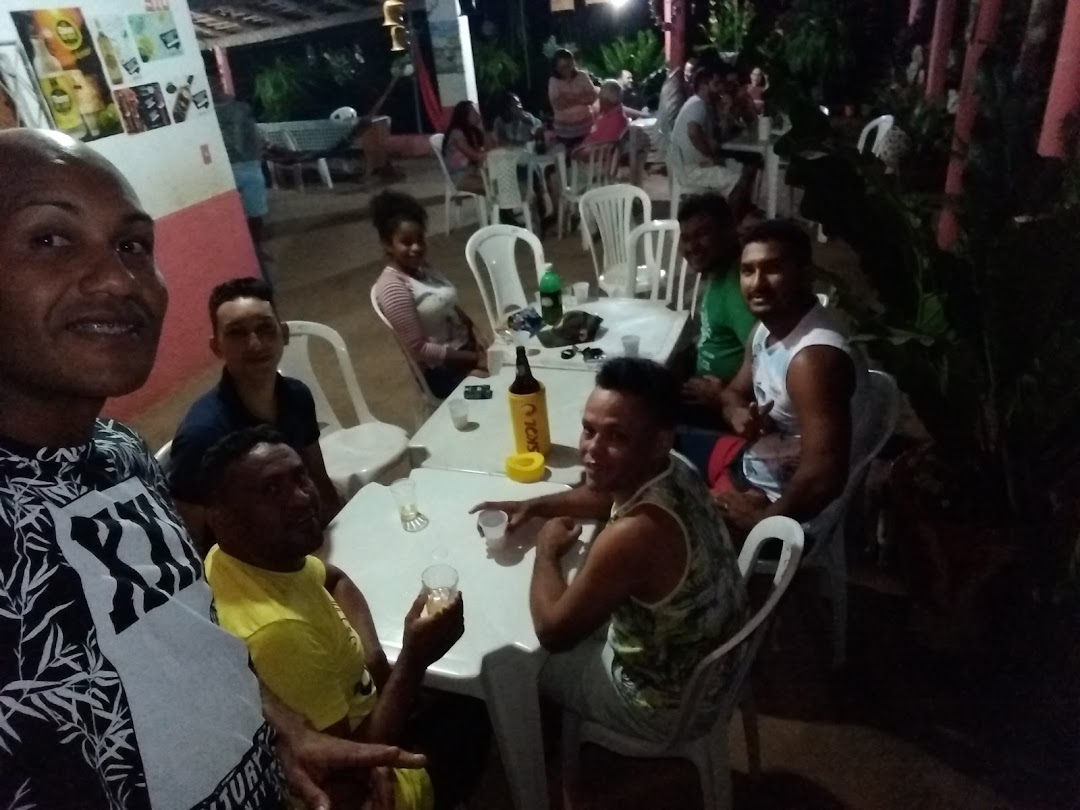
(249,338)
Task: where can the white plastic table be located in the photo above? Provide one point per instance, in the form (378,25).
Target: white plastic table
(484,446)
(498,657)
(660,331)
(749,142)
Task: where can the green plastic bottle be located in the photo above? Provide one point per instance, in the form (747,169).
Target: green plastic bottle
(550,296)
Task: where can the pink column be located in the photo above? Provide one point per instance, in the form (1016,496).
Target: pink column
(221,58)
(944,17)
(1065,86)
(913,11)
(675,31)
(985,28)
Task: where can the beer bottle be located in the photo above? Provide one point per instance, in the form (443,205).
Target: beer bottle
(108,55)
(528,410)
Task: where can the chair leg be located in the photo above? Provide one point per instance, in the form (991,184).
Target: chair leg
(710,758)
(748,710)
(324,172)
(837,573)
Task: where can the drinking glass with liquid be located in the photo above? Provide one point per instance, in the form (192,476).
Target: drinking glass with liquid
(404,492)
(440,584)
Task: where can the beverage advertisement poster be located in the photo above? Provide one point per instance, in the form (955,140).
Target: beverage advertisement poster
(156,35)
(69,74)
(106,68)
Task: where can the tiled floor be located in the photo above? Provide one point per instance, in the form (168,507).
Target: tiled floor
(899,729)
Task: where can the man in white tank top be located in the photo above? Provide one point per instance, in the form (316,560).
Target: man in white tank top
(791,402)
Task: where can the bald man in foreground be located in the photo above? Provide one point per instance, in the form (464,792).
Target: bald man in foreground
(120,688)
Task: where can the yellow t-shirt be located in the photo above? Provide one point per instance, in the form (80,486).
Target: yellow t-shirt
(303,649)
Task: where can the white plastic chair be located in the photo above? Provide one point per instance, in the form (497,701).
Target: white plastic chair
(321,165)
(595,167)
(611,209)
(452,195)
(653,250)
(344,114)
(875,133)
(500,173)
(495,244)
(874,424)
(708,751)
(354,456)
(683,299)
(428,401)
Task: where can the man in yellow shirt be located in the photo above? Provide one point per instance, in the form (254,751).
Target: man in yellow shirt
(308,628)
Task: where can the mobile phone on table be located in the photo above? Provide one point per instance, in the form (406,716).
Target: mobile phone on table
(477,392)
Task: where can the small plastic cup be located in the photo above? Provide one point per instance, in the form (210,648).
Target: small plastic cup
(521,337)
(495,359)
(493,524)
(569,300)
(404,492)
(440,584)
(631,344)
(581,292)
(459,413)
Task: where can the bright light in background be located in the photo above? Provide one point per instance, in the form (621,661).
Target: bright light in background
(618,3)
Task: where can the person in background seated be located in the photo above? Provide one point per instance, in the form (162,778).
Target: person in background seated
(676,89)
(611,121)
(759,83)
(694,141)
(249,338)
(791,404)
(464,147)
(710,245)
(514,125)
(662,575)
(309,631)
(420,303)
(572,94)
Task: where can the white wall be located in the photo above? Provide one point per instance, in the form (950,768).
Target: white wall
(173,167)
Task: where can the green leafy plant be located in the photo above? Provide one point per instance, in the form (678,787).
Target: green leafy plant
(728,24)
(282,86)
(641,54)
(496,69)
(813,44)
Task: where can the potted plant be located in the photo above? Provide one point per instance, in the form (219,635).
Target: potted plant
(727,28)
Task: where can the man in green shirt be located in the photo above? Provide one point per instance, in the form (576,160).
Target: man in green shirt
(710,245)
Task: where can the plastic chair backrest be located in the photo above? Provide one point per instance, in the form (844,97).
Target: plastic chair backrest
(679,295)
(726,667)
(877,128)
(414,367)
(593,167)
(653,248)
(436,142)
(875,420)
(611,208)
(296,362)
(495,244)
(344,114)
(499,171)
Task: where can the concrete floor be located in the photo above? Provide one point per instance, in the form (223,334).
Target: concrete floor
(898,729)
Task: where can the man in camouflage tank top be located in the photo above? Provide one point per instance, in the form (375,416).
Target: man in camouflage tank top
(662,577)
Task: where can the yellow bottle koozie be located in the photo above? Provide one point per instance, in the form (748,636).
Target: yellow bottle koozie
(528,414)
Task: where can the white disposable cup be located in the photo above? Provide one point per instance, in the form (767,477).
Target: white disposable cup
(569,300)
(631,344)
(440,584)
(495,358)
(521,337)
(493,524)
(764,128)
(581,292)
(459,413)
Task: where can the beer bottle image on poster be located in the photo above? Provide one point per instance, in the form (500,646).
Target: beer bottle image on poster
(142,107)
(68,72)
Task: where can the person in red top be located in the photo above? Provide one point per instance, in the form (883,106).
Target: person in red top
(611,122)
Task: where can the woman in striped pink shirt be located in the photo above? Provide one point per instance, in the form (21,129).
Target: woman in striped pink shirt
(420,303)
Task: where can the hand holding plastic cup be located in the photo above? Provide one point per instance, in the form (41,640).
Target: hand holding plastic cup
(459,413)
(631,345)
(440,584)
(492,523)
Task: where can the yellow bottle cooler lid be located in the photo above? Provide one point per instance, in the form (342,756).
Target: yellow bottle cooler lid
(525,468)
